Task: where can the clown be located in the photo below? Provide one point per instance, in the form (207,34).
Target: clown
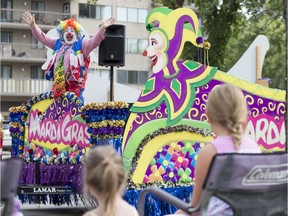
(69,63)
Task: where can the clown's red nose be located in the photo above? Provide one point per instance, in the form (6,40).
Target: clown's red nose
(144,53)
(69,34)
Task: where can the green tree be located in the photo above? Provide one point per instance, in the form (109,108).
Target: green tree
(231,26)
(91,1)
(267,20)
(219,17)
(172,4)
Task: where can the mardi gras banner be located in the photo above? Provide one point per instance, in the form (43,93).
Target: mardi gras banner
(62,130)
(168,124)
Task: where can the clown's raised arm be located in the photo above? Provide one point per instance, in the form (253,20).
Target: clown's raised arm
(70,59)
(88,44)
(37,32)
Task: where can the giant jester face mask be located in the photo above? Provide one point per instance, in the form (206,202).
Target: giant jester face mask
(156,50)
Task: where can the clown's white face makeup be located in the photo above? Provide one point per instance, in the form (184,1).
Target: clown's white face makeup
(69,35)
(155,51)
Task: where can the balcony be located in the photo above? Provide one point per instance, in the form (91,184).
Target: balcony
(17,87)
(12,18)
(12,52)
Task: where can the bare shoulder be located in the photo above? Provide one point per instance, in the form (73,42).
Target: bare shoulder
(135,213)
(207,151)
(131,210)
(205,156)
(126,209)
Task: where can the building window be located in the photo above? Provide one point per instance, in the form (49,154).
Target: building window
(132,45)
(6,71)
(84,10)
(95,11)
(7,4)
(103,12)
(6,15)
(36,44)
(122,76)
(142,14)
(142,45)
(6,37)
(142,77)
(131,14)
(6,44)
(38,6)
(136,45)
(121,14)
(102,73)
(37,72)
(132,77)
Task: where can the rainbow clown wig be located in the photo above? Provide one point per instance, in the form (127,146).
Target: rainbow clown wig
(72,23)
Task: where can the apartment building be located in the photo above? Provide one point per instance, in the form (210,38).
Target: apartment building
(22,56)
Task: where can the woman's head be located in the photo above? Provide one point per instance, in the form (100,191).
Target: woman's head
(104,174)
(226,106)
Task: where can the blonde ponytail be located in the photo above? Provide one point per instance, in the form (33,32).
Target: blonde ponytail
(109,184)
(104,173)
(227,106)
(236,132)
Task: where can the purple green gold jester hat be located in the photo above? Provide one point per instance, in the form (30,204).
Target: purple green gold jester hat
(173,80)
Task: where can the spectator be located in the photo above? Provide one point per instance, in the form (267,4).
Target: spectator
(227,113)
(104,179)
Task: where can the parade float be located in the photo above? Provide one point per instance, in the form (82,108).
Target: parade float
(159,136)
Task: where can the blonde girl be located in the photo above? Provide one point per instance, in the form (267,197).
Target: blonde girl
(227,114)
(104,179)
